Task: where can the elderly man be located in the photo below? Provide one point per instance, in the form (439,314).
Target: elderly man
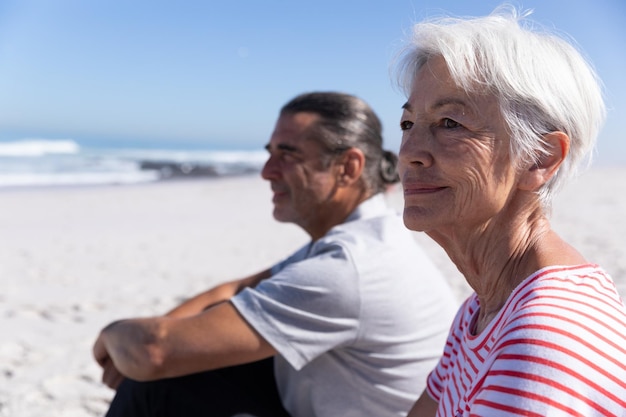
(348,325)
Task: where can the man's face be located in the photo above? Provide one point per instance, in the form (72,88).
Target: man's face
(301,183)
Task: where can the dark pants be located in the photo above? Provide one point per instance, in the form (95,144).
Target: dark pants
(246,390)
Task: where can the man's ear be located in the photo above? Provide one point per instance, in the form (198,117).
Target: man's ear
(557,148)
(352,164)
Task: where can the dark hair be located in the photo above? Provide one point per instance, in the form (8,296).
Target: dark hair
(348,122)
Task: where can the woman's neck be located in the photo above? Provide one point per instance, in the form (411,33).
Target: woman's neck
(496,257)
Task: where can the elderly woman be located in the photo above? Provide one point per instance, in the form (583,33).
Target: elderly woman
(498,117)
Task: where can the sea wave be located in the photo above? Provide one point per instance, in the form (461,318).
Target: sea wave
(39,163)
(76,178)
(38,147)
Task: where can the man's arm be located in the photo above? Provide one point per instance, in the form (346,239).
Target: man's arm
(112,377)
(223,292)
(424,407)
(161,347)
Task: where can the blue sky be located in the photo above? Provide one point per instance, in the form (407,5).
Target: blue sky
(214,73)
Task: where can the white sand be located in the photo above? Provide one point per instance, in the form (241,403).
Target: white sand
(74,259)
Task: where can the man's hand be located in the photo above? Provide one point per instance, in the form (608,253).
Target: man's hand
(111,377)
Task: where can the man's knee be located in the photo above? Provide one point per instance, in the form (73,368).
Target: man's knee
(131,399)
(241,391)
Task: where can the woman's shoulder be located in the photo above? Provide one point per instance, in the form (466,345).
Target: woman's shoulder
(567,286)
(567,305)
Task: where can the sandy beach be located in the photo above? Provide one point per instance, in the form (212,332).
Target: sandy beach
(74,259)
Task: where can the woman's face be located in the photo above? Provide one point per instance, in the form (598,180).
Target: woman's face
(454,158)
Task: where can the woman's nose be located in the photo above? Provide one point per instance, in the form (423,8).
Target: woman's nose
(415,148)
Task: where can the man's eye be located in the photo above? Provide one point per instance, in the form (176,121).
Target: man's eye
(288,157)
(450,124)
(406,125)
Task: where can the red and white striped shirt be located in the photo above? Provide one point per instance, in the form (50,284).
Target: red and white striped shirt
(556,348)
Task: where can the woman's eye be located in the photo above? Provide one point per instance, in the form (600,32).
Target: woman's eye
(406,125)
(449,123)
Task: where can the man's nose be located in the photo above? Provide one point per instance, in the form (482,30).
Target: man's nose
(270,169)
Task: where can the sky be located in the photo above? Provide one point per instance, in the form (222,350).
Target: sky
(214,74)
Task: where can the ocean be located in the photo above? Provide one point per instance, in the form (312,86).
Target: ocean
(49,163)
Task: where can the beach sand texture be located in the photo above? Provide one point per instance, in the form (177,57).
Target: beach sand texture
(74,259)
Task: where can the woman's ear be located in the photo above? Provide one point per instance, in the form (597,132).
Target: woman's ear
(352,164)
(536,175)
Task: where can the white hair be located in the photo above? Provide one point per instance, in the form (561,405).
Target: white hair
(542,82)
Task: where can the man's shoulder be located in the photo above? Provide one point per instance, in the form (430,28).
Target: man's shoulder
(388,225)
(386,232)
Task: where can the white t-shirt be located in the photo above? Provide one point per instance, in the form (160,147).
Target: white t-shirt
(556,348)
(358,317)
